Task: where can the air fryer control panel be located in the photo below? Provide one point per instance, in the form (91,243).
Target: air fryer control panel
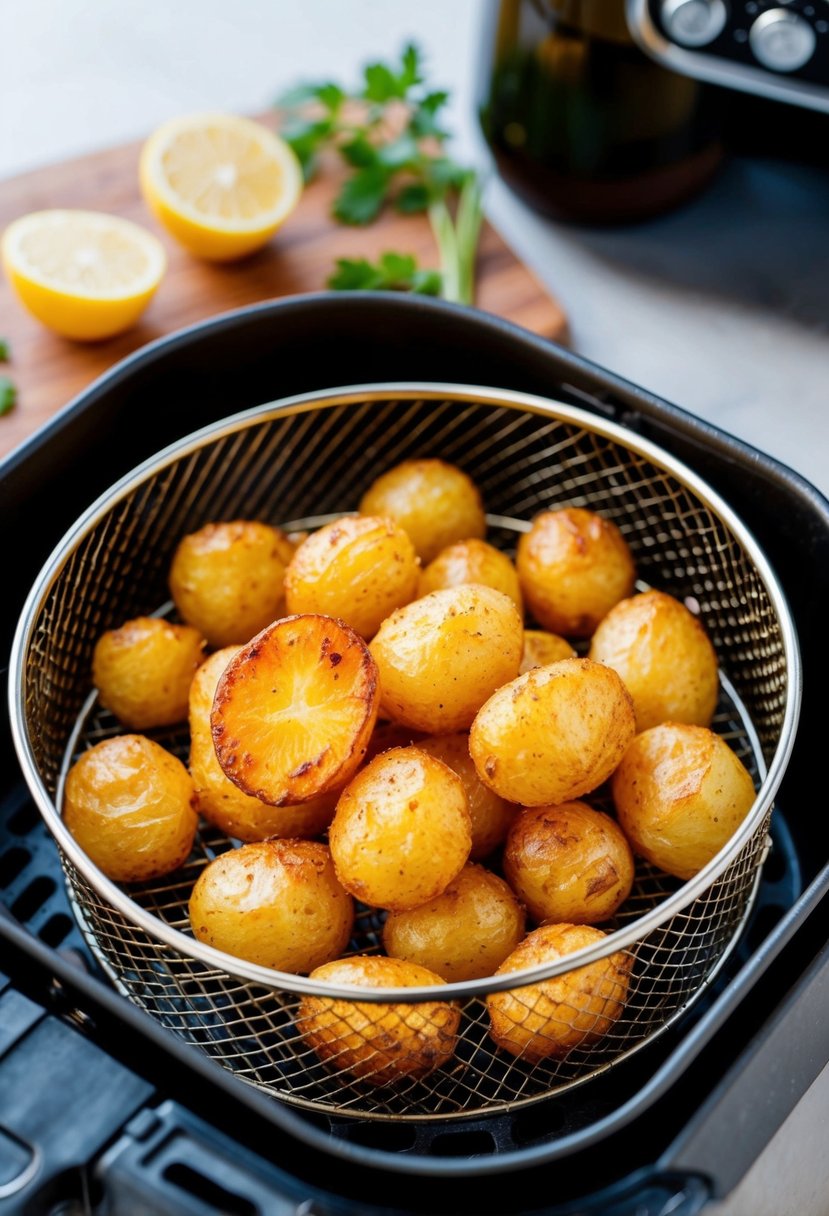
(777,48)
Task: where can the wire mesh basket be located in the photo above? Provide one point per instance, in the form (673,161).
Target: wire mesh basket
(395,1052)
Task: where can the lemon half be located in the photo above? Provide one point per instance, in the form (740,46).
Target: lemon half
(221,185)
(84,274)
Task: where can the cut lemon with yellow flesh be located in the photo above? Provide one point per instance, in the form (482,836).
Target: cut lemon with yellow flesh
(221,185)
(84,274)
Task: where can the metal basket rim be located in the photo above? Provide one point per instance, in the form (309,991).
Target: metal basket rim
(363,394)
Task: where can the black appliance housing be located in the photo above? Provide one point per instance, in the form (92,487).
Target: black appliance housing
(103,1110)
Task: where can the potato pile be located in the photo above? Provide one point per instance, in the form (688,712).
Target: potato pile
(376,724)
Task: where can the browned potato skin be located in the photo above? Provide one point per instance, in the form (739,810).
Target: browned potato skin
(143,671)
(553,734)
(131,806)
(359,569)
(681,793)
(220,801)
(573,566)
(541,649)
(547,1020)
(491,815)
(568,863)
(463,934)
(442,656)
(387,735)
(276,903)
(434,502)
(376,1042)
(401,831)
(664,656)
(472,561)
(227,579)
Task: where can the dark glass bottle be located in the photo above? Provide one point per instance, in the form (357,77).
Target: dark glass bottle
(581,123)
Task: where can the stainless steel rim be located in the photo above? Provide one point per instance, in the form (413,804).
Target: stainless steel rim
(618,940)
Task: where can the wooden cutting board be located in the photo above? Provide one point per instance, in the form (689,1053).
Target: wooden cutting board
(49,370)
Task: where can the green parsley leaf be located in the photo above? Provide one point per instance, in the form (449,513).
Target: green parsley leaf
(412,198)
(8,395)
(392,272)
(307,137)
(359,152)
(327,94)
(423,121)
(402,153)
(362,195)
(5,350)
(380,83)
(410,61)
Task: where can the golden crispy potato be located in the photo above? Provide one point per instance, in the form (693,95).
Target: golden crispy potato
(491,815)
(131,806)
(471,561)
(223,803)
(463,934)
(553,734)
(434,502)
(276,903)
(573,566)
(358,569)
(401,831)
(663,654)
(442,656)
(568,863)
(681,793)
(376,1042)
(143,671)
(228,579)
(550,1018)
(294,710)
(541,649)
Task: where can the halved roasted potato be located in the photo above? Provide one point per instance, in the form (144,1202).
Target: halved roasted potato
(294,710)
(220,801)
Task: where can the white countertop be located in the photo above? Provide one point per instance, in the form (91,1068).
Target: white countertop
(721,307)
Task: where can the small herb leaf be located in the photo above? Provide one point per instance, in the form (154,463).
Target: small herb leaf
(362,195)
(5,350)
(8,395)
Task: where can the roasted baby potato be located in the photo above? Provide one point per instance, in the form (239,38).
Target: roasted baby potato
(223,803)
(471,561)
(568,863)
(491,815)
(553,734)
(550,1018)
(573,566)
(434,502)
(541,649)
(358,569)
(442,656)
(143,671)
(131,806)
(663,654)
(277,903)
(228,579)
(401,831)
(294,710)
(463,934)
(681,793)
(376,1042)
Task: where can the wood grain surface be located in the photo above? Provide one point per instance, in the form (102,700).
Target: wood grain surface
(49,371)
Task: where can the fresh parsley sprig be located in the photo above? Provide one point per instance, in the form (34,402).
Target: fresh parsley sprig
(8,395)
(391,272)
(390,133)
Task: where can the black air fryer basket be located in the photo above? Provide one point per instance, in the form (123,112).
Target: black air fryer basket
(165,1120)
